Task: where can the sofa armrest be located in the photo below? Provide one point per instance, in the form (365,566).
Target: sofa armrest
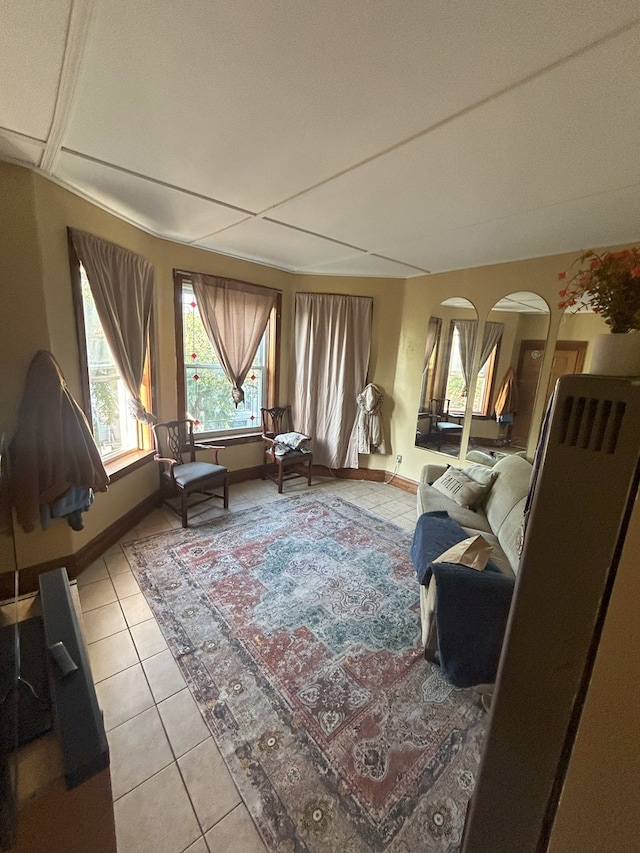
(430,473)
(471,610)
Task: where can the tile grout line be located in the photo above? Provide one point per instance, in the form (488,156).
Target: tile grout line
(175,757)
(140,661)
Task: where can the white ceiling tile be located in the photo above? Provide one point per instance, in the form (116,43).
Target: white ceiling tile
(272,243)
(162,210)
(535,146)
(523,303)
(439,135)
(251,103)
(456,302)
(32,39)
(366,265)
(606,219)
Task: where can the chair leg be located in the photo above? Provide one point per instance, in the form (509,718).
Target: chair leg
(309,473)
(280,477)
(184,509)
(226,492)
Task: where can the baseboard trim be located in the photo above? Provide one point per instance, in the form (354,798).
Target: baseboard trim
(373,475)
(76,563)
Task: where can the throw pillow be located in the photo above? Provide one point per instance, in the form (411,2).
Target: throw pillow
(480,474)
(460,488)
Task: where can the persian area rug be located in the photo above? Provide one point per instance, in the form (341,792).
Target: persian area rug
(296,626)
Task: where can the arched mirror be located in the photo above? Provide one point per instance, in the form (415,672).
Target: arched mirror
(446,376)
(514,343)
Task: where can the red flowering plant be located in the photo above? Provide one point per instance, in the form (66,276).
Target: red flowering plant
(609,285)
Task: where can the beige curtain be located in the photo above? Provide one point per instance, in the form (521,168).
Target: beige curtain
(122,286)
(467,337)
(433,333)
(466,340)
(234,315)
(492,334)
(332,346)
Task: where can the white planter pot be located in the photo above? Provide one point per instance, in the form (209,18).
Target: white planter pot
(616,355)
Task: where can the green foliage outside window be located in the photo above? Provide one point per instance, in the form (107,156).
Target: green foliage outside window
(208,398)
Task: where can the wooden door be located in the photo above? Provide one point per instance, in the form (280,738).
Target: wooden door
(568,357)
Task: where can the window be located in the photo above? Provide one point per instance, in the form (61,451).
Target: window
(106,399)
(204,389)
(455,387)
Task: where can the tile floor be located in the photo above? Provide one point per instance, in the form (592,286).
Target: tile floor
(171,789)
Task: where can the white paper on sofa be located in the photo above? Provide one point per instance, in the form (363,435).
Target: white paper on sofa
(473,552)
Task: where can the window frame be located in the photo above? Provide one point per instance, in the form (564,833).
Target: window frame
(487,397)
(181,277)
(130,458)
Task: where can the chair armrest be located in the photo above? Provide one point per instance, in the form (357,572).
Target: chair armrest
(157,458)
(216,448)
(168,462)
(269,446)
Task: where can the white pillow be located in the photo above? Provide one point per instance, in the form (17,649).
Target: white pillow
(480,474)
(460,488)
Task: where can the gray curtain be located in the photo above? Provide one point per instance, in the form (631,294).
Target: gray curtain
(332,346)
(234,315)
(122,286)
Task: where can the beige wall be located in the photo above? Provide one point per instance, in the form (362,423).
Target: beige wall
(23,318)
(34,215)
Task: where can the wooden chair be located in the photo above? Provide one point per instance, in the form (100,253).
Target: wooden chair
(442,428)
(181,474)
(279,463)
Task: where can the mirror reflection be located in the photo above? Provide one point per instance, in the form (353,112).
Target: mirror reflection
(509,377)
(506,386)
(446,376)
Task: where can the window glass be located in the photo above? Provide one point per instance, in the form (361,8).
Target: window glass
(115,430)
(456,389)
(207,390)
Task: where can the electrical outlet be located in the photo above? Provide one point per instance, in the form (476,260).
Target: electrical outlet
(399,458)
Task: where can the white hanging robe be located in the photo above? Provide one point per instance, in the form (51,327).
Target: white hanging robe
(370,432)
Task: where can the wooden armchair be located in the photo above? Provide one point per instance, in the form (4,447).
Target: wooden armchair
(283,461)
(181,474)
(442,427)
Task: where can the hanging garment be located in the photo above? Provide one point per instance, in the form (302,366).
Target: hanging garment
(53,448)
(71,505)
(370,432)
